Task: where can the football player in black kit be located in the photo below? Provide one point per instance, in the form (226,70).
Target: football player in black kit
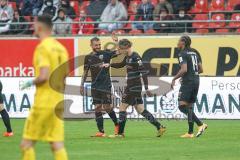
(190,68)
(5,116)
(101,83)
(133,91)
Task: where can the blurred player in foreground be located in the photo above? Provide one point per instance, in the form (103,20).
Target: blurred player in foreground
(5,116)
(191,66)
(133,91)
(43,123)
(101,83)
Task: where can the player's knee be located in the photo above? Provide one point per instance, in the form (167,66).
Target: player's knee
(55,146)
(98,108)
(108,108)
(139,108)
(1,107)
(25,145)
(183,109)
(123,107)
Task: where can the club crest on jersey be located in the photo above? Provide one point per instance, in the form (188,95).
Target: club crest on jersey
(140,62)
(129,60)
(101,57)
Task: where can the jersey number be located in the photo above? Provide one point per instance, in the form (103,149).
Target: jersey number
(195,64)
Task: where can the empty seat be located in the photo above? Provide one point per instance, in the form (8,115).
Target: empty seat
(217,17)
(13,5)
(151,31)
(217,5)
(222,30)
(235,17)
(201,17)
(231,4)
(202,31)
(120,31)
(201,6)
(102,32)
(75,5)
(135,32)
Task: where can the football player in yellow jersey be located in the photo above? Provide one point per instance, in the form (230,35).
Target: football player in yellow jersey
(43,123)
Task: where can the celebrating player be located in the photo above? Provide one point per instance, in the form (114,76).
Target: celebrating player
(191,66)
(133,91)
(101,83)
(44,122)
(5,116)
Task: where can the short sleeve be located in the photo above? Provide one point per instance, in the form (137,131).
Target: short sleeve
(182,59)
(43,58)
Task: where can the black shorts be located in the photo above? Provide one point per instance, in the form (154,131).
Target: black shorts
(132,98)
(1,96)
(188,92)
(101,96)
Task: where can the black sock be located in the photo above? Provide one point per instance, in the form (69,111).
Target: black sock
(190,120)
(99,120)
(6,120)
(122,121)
(151,119)
(113,116)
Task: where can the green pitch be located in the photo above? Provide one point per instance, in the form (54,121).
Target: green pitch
(221,142)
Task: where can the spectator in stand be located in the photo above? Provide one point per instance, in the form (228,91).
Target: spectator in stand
(6,16)
(160,5)
(163,27)
(50,7)
(187,4)
(181,27)
(65,4)
(63,24)
(18,28)
(31,7)
(114,11)
(95,9)
(82,27)
(144,13)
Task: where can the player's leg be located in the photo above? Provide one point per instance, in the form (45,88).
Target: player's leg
(122,117)
(27,148)
(146,114)
(5,116)
(59,150)
(109,109)
(99,120)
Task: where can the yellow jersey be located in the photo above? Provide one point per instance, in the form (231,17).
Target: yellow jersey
(52,54)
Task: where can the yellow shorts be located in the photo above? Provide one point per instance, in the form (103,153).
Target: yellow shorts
(43,124)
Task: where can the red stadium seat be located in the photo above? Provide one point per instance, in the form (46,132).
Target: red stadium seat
(231,4)
(238,30)
(102,32)
(202,31)
(217,24)
(201,6)
(135,32)
(13,5)
(129,25)
(154,2)
(132,5)
(200,24)
(217,5)
(235,17)
(75,5)
(119,32)
(151,31)
(28,18)
(222,31)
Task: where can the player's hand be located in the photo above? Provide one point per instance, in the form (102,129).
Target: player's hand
(173,83)
(114,37)
(82,90)
(105,65)
(149,93)
(26,85)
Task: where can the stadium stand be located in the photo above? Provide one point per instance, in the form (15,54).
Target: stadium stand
(223,13)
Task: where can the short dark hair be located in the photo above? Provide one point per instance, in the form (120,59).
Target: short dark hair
(125,43)
(94,39)
(45,19)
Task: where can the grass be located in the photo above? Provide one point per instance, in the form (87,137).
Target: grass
(221,142)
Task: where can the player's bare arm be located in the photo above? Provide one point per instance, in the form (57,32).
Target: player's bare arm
(180,73)
(200,68)
(84,77)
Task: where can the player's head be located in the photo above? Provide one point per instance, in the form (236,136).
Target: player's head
(43,26)
(124,46)
(184,42)
(95,44)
